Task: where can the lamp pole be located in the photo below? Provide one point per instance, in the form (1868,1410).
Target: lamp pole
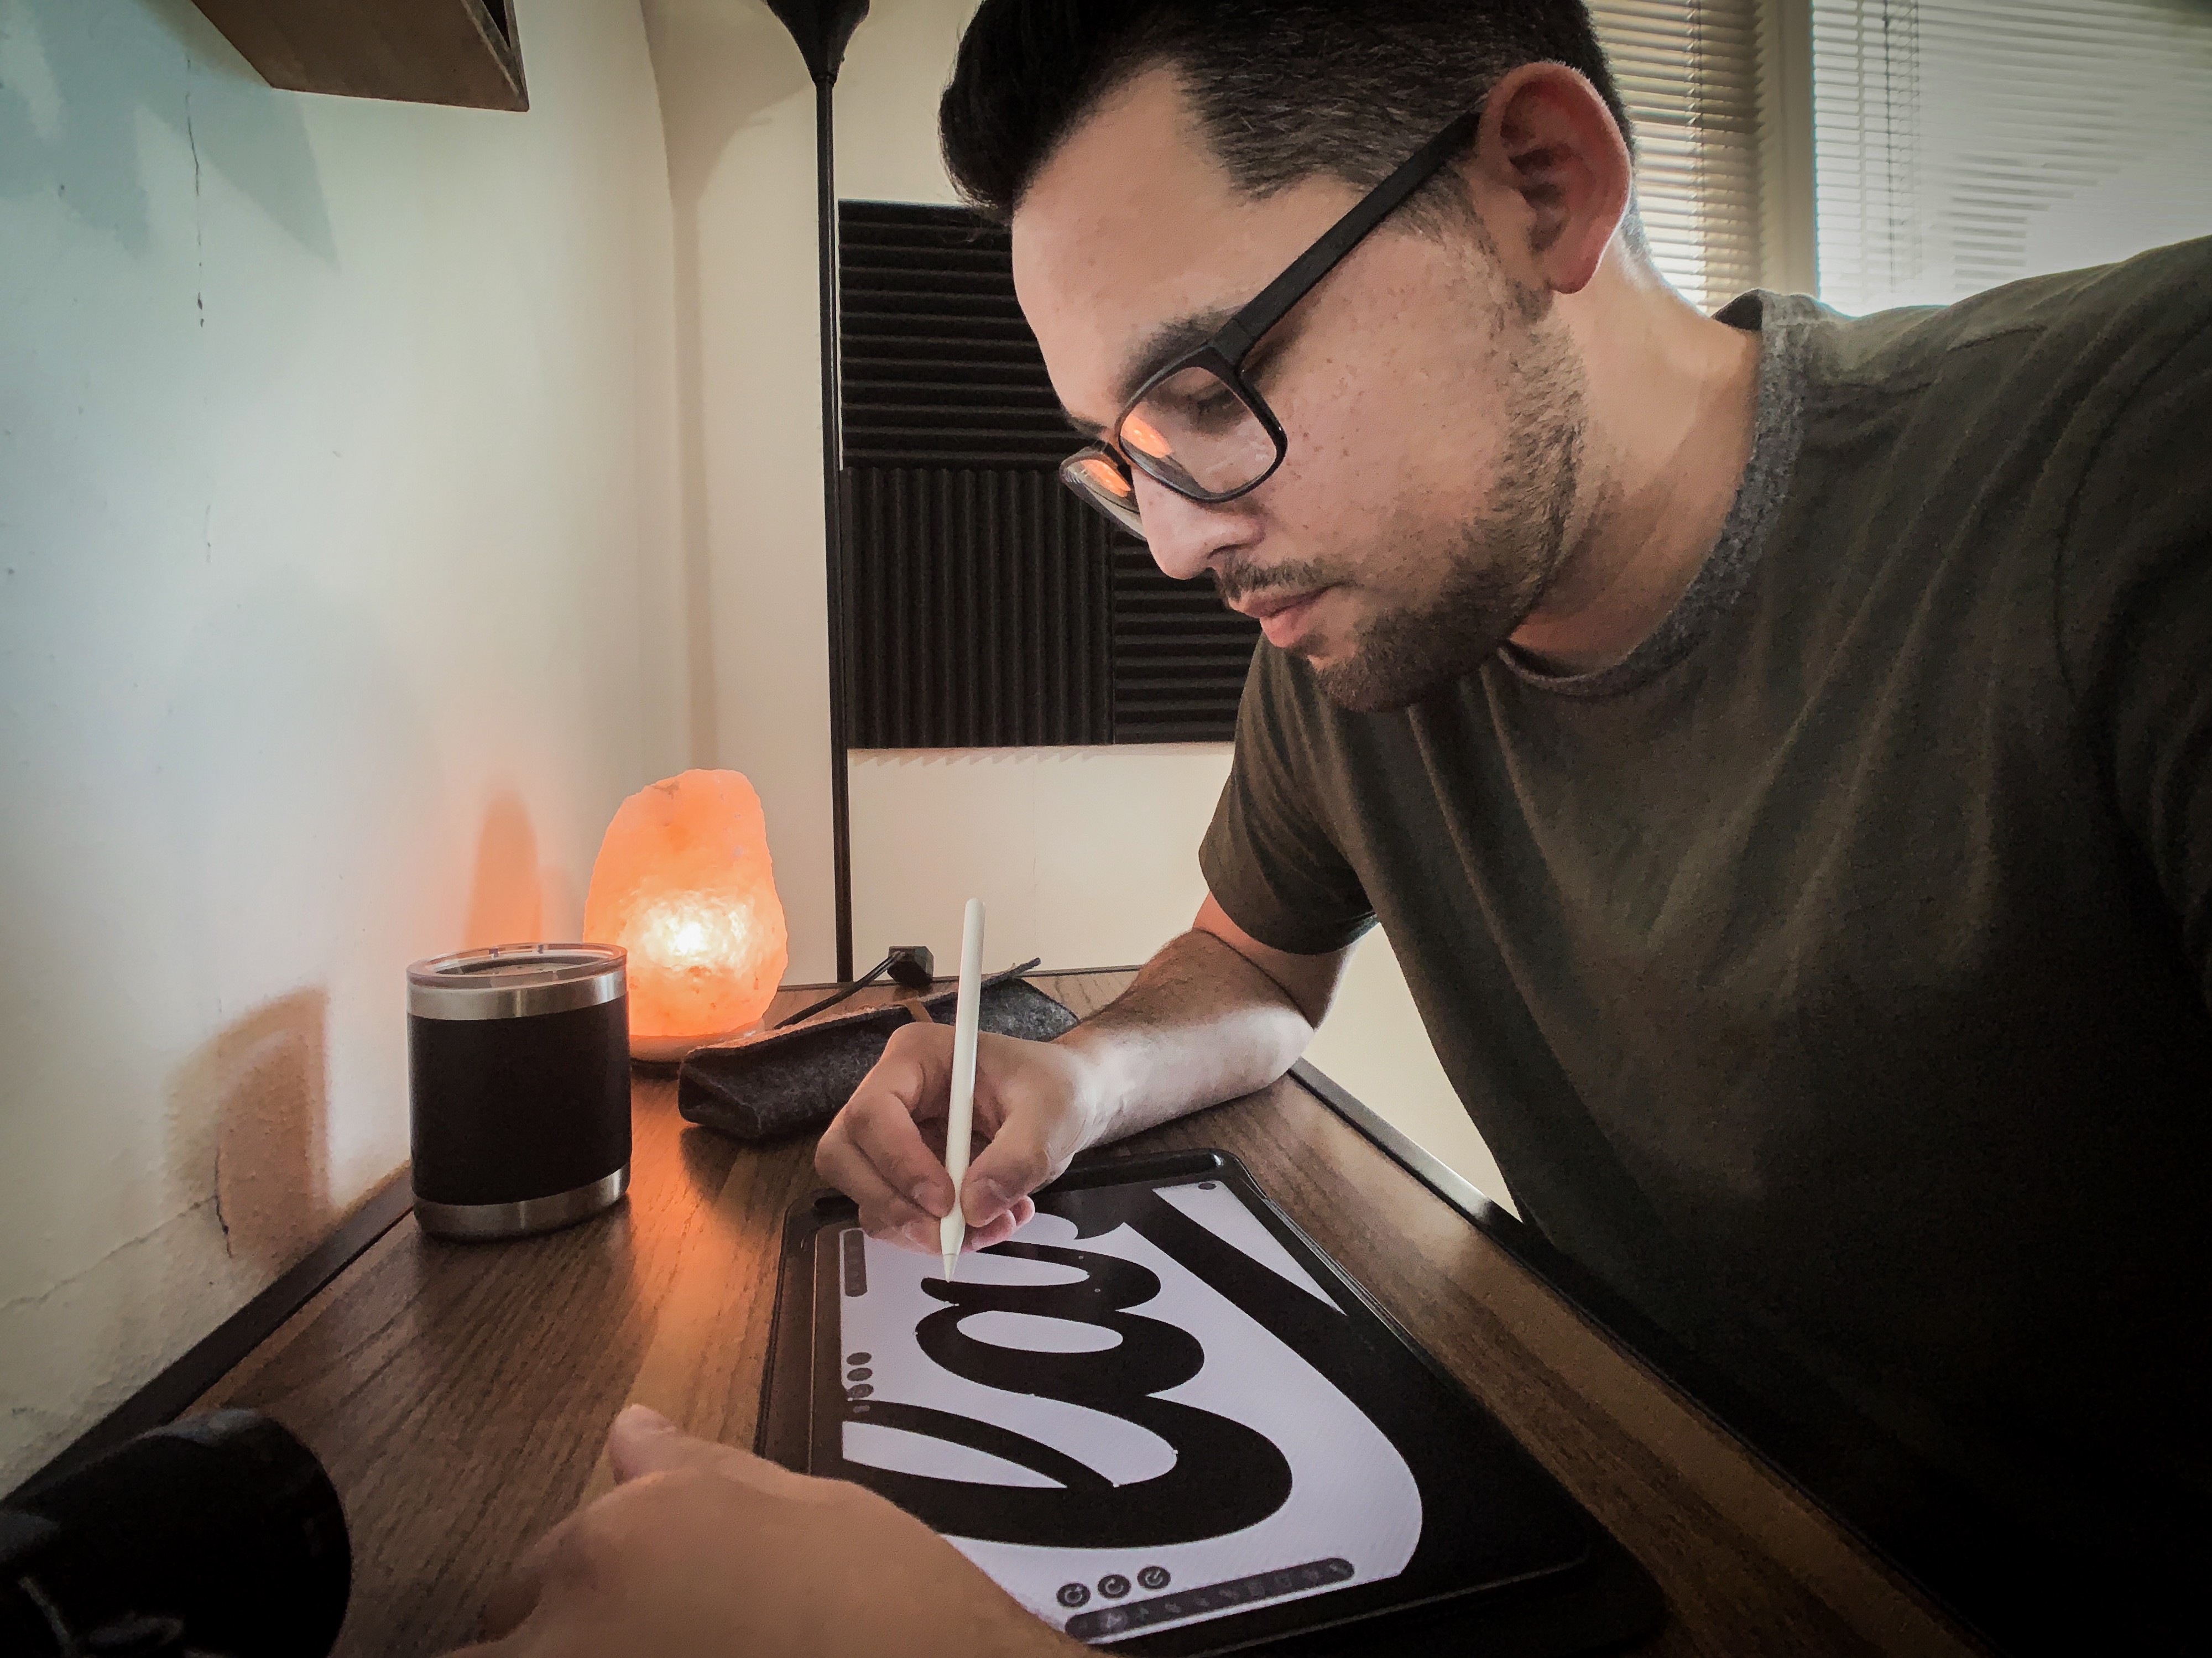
(823,28)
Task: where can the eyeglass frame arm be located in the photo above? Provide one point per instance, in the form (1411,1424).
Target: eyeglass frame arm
(1224,354)
(1243,331)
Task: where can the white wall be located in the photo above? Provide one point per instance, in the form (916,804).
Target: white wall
(1086,856)
(1373,1043)
(896,70)
(737,111)
(339,608)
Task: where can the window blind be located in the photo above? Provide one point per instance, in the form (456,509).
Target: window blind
(1962,143)
(1689,72)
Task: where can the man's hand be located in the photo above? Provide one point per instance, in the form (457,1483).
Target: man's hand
(1215,1014)
(1035,1102)
(704,1552)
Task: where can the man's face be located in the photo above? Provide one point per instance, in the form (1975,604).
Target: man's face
(1433,412)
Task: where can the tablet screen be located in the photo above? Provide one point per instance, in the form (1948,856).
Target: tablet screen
(1156,1408)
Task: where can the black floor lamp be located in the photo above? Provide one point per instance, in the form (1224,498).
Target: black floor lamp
(823,28)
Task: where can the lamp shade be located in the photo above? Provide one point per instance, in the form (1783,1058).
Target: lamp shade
(683,883)
(823,28)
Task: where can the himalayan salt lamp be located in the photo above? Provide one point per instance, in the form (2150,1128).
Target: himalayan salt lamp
(683,884)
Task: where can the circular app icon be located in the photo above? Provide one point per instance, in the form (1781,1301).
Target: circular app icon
(1112,1586)
(1074,1594)
(1153,1577)
(856,1359)
(860,1390)
(861,1375)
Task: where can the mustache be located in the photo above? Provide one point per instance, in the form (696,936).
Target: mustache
(1239,581)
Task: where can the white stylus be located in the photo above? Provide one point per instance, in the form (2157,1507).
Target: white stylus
(960,1120)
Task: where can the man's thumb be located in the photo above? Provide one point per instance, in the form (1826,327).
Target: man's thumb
(1014,1165)
(643,1442)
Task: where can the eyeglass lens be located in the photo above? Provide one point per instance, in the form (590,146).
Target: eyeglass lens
(1102,482)
(1194,434)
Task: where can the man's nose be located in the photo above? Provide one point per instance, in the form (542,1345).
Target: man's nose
(1184,536)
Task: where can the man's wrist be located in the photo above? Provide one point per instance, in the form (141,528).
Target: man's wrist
(1100,1078)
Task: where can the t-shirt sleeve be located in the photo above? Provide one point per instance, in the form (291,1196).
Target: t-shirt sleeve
(2136,628)
(1268,857)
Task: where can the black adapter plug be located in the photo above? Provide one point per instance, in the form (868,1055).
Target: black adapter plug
(912,966)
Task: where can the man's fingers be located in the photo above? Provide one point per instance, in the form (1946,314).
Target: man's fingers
(643,1442)
(925,1236)
(1019,1160)
(916,1067)
(872,1150)
(879,1127)
(876,1131)
(998,1231)
(517,1594)
(883,1211)
(921,1235)
(877,1150)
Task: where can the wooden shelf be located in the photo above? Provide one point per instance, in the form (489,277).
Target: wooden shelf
(417,51)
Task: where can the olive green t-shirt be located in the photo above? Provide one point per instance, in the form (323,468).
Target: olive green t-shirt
(1835,969)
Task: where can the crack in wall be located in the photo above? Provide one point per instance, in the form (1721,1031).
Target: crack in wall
(105,1256)
(199,220)
(220,1219)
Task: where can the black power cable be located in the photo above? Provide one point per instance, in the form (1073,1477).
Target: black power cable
(911,965)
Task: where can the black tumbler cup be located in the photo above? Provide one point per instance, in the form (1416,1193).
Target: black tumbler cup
(519,1072)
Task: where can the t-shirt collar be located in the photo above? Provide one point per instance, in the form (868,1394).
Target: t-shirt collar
(1783,321)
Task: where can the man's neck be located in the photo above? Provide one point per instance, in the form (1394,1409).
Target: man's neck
(1672,400)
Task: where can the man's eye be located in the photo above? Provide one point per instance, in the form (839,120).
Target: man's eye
(1209,411)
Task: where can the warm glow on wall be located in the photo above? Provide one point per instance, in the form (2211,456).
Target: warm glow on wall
(684,885)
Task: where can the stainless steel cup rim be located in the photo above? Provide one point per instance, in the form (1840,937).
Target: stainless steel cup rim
(512,981)
(519,1219)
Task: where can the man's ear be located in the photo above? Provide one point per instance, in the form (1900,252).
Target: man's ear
(1551,175)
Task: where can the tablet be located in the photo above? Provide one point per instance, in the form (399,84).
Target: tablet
(1165,1421)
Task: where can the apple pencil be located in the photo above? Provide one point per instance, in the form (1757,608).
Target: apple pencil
(960,1120)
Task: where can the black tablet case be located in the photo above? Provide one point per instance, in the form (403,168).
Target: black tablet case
(1605,1602)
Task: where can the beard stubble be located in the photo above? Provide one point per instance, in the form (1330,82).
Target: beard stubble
(1497,566)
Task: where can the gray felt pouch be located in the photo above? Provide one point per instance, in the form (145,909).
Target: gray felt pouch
(792,1081)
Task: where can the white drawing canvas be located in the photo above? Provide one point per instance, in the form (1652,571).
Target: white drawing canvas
(1107,1435)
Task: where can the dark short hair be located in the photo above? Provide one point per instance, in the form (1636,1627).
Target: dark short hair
(1284,89)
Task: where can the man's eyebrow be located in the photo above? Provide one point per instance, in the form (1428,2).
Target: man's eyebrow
(1154,352)
(1164,344)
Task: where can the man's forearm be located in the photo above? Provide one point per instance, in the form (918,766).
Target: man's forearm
(1200,1024)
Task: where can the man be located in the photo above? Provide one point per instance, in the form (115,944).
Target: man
(1778,748)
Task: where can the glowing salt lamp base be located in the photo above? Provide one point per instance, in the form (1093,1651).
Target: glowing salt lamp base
(672,1050)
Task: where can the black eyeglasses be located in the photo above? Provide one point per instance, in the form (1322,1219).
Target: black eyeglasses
(1198,426)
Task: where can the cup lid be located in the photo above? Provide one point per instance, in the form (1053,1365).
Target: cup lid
(510,981)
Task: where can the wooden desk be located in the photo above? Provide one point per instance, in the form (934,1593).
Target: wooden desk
(460,1393)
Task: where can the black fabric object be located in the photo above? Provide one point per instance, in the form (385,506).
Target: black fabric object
(794,1081)
(223,1527)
